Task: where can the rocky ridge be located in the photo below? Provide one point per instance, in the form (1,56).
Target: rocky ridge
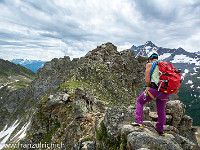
(88,103)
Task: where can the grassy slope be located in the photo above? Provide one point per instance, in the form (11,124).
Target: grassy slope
(7,69)
(13,75)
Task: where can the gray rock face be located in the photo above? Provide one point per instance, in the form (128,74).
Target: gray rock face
(136,140)
(81,108)
(118,73)
(185,143)
(56,99)
(176,109)
(116,117)
(185,128)
(148,138)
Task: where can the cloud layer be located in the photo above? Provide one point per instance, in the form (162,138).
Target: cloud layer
(46,29)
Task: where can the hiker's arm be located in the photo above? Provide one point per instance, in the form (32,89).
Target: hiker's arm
(147,74)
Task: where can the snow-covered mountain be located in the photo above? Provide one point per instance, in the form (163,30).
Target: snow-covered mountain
(189,63)
(33,65)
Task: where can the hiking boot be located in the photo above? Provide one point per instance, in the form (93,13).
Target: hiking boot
(160,133)
(135,124)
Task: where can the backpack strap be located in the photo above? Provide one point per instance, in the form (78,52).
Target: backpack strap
(153,67)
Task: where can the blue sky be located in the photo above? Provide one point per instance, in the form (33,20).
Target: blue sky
(45,29)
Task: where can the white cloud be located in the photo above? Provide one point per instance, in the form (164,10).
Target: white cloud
(47,29)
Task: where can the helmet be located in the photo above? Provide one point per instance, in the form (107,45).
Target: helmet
(153,54)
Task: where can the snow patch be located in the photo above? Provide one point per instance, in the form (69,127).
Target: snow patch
(195,69)
(189,82)
(164,56)
(185,72)
(185,59)
(6,132)
(21,134)
(147,47)
(193,74)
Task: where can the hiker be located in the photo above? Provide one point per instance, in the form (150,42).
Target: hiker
(151,93)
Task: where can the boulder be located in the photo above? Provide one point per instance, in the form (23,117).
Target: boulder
(176,109)
(55,99)
(148,138)
(185,143)
(80,108)
(127,129)
(186,130)
(116,117)
(136,140)
(154,116)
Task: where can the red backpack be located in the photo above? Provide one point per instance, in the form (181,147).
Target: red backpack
(170,77)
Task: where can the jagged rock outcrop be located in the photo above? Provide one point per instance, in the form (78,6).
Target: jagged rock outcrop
(117,122)
(147,138)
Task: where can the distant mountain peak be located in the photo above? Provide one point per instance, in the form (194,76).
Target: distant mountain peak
(180,48)
(144,49)
(33,65)
(149,43)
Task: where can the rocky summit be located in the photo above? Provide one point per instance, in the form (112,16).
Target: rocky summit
(88,103)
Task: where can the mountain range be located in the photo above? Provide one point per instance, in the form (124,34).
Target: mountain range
(33,65)
(180,58)
(189,63)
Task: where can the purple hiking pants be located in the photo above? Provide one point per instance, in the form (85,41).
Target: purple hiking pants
(160,104)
